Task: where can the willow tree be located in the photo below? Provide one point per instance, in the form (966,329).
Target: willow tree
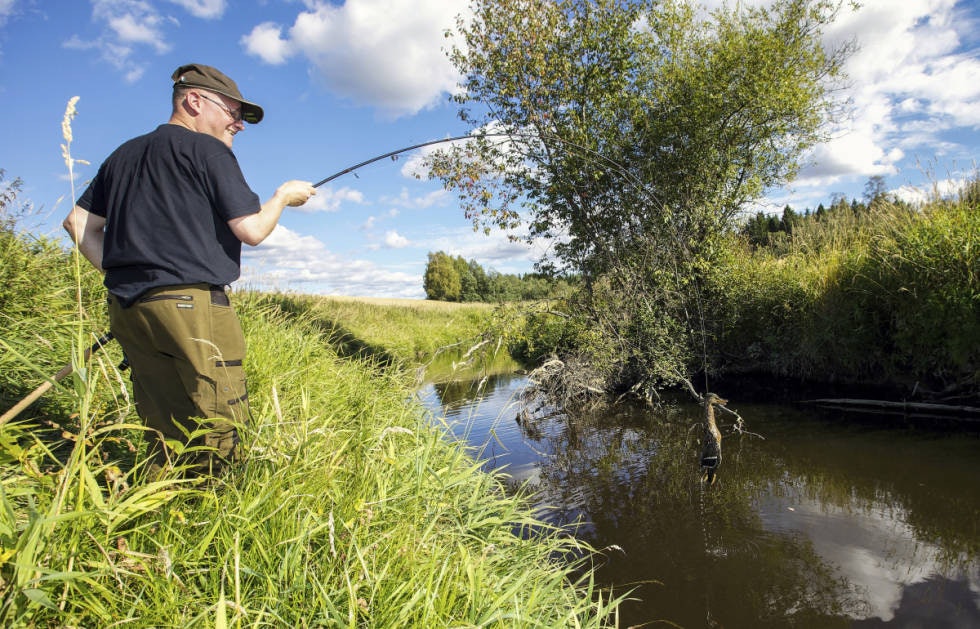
(635,131)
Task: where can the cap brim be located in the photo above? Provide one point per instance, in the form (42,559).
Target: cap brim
(251,113)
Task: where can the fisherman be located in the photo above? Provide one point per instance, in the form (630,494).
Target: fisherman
(165,219)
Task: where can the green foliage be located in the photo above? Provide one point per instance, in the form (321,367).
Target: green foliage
(887,296)
(633,122)
(42,293)
(635,132)
(455,279)
(442,280)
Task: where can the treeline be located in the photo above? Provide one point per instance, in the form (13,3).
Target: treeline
(771,230)
(449,278)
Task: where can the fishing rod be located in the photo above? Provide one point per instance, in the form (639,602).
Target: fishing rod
(402,150)
(618,167)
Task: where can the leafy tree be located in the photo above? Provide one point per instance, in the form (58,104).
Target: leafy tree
(450,278)
(441,280)
(633,119)
(875,189)
(636,132)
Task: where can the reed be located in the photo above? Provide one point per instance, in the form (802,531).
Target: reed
(888,298)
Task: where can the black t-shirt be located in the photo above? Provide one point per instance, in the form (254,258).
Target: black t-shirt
(167,197)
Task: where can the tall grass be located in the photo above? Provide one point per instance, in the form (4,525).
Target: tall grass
(891,298)
(350,508)
(445,339)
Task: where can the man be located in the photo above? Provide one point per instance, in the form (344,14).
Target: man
(164,219)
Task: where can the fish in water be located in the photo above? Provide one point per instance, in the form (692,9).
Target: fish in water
(711,448)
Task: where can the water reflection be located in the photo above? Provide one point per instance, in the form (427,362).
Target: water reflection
(820,524)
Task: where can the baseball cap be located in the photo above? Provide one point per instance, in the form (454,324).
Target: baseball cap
(200,75)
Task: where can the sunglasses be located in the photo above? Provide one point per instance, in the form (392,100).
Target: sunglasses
(235,115)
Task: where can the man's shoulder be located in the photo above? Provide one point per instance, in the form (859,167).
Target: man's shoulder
(179,140)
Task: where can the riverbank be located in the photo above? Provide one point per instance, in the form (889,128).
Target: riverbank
(884,296)
(350,508)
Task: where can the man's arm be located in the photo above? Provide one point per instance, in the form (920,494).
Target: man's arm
(254,228)
(87,232)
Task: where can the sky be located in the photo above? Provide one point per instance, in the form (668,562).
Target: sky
(344,81)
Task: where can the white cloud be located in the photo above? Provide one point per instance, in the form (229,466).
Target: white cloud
(266,42)
(330,200)
(131,26)
(383,53)
(946,188)
(907,85)
(394,240)
(405,200)
(6,10)
(204,9)
(132,29)
(495,251)
(288,260)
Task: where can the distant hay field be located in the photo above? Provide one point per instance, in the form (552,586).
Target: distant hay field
(407,303)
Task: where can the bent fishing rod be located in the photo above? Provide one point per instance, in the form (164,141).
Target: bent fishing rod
(398,152)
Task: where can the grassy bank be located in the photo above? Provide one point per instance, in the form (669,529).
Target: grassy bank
(885,298)
(442,339)
(889,298)
(351,508)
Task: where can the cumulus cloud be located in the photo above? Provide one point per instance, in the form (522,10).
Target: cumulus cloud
(394,240)
(205,9)
(495,251)
(138,29)
(383,53)
(406,200)
(6,10)
(330,200)
(908,84)
(131,26)
(266,42)
(288,261)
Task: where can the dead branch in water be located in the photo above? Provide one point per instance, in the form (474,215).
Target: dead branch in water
(567,385)
(886,406)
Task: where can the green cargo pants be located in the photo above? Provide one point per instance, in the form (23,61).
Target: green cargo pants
(185,347)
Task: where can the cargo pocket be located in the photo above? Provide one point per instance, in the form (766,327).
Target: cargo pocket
(227,369)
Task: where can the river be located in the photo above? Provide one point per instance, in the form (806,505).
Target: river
(815,520)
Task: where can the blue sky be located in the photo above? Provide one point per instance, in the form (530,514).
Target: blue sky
(342,82)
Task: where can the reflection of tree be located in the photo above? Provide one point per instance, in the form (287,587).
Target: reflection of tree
(696,553)
(455,393)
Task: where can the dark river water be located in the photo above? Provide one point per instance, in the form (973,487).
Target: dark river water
(814,521)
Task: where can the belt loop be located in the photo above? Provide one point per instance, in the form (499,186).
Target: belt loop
(218,296)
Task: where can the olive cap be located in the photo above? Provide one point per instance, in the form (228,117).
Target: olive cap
(199,75)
